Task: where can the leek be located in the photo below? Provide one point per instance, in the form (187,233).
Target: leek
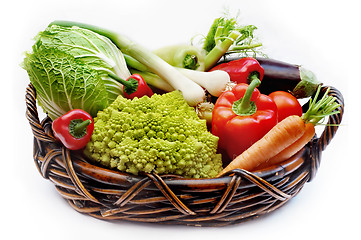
(192,92)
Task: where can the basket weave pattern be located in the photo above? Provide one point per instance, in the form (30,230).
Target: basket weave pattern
(111,195)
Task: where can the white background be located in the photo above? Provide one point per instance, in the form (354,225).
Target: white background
(321,35)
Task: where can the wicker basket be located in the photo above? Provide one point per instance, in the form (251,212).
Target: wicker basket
(170,199)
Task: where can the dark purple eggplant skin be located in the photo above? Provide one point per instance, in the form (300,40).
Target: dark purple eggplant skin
(278,75)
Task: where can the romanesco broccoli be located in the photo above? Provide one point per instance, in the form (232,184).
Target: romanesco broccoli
(162,133)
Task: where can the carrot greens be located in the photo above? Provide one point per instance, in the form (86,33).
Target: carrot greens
(319,109)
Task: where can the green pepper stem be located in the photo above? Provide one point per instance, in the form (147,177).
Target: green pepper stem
(246,100)
(79,128)
(244,106)
(130,86)
(121,80)
(190,62)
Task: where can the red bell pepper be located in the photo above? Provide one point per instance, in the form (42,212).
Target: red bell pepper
(74,129)
(242,70)
(241,117)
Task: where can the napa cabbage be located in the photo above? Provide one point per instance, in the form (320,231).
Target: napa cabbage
(71,67)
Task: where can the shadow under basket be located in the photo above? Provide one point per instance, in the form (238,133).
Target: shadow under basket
(168,199)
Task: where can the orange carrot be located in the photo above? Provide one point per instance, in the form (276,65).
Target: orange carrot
(292,149)
(277,139)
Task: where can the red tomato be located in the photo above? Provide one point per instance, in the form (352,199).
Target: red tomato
(287,104)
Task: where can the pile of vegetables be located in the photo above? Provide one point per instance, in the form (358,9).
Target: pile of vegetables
(184,109)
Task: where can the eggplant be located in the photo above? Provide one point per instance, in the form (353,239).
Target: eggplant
(282,76)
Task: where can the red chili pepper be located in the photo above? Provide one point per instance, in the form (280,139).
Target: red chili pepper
(74,129)
(242,70)
(134,86)
(142,89)
(241,117)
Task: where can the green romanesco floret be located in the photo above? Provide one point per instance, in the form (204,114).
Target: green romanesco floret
(162,134)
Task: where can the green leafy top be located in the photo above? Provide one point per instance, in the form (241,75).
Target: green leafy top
(318,109)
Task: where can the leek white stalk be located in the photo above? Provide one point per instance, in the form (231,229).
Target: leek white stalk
(214,82)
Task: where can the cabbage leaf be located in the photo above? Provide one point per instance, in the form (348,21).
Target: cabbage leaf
(69,68)
(62,83)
